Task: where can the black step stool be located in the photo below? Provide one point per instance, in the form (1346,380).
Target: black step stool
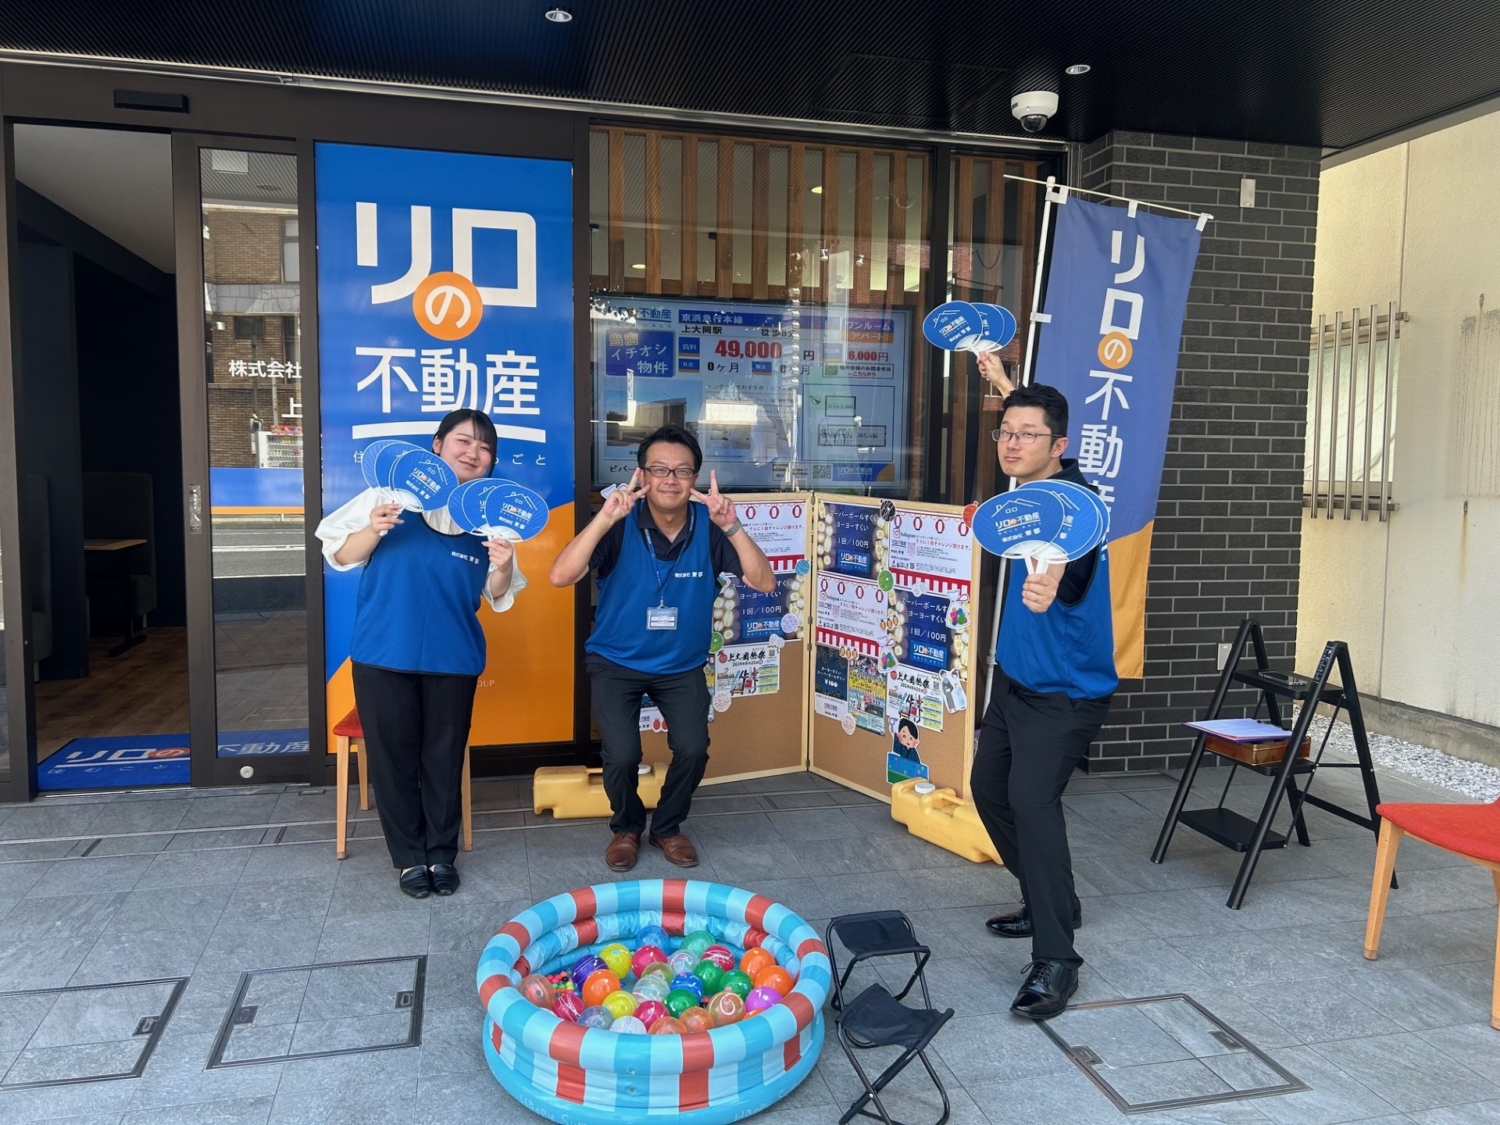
(1253,837)
(875,1018)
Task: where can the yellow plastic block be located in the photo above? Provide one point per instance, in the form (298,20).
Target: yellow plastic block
(572,792)
(943,818)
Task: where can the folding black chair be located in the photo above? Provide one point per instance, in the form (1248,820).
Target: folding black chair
(875,1018)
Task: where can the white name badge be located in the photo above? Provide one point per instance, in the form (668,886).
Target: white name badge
(661,617)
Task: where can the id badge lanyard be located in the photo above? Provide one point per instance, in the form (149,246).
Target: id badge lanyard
(664,616)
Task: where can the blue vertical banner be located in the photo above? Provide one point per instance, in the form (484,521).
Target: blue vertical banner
(445,281)
(1117,288)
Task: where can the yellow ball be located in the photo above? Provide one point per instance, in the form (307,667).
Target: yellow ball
(617,957)
(620,1004)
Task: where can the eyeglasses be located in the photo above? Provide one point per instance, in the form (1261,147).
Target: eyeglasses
(1025,437)
(661,472)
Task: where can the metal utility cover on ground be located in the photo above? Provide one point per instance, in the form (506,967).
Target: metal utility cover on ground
(1165,1052)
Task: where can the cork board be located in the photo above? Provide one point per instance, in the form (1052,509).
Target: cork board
(894,644)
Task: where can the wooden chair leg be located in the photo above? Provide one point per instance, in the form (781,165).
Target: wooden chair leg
(1380,889)
(468,812)
(364,777)
(341,799)
(1495,996)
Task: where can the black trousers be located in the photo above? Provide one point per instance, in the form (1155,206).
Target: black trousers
(416,726)
(683,700)
(1029,745)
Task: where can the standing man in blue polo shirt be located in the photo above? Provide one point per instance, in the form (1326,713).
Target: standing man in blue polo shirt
(657,556)
(1050,695)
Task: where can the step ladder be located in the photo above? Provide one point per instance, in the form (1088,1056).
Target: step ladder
(1255,836)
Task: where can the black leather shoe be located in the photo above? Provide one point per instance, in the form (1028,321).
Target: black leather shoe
(1019,923)
(416,882)
(444,878)
(1046,990)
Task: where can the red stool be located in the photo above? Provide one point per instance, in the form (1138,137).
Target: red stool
(350,736)
(1471,831)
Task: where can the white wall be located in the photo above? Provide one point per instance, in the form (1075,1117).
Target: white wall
(1418,597)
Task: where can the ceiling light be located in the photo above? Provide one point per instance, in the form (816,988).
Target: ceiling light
(1078,68)
(638,266)
(817,190)
(559,15)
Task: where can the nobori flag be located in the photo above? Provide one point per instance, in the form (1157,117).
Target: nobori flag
(1116,295)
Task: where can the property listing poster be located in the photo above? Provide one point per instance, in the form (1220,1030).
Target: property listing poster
(893,626)
(778,396)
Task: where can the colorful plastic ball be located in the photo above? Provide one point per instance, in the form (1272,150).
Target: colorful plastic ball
(537,989)
(760,999)
(682,961)
(599,985)
(775,978)
(720,955)
(680,1000)
(667,1025)
(620,1003)
(688,983)
(657,968)
(710,974)
(649,1011)
(628,1025)
(653,987)
(726,1008)
(560,982)
(617,957)
(646,955)
(738,982)
(755,960)
(567,1006)
(697,941)
(597,1016)
(584,968)
(651,935)
(696,1019)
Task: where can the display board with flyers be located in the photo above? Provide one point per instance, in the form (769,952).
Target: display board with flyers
(758,667)
(893,644)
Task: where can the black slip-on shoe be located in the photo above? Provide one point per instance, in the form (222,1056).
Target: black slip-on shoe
(415,881)
(444,878)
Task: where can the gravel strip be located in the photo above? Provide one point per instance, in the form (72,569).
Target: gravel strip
(1474,780)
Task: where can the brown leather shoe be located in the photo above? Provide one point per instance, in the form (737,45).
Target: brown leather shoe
(622,851)
(678,849)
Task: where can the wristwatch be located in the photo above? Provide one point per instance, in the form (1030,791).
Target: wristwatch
(734,529)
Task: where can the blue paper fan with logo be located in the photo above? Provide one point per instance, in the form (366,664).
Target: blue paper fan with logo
(494,508)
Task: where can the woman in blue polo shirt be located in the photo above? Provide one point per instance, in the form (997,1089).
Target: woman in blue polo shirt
(418,648)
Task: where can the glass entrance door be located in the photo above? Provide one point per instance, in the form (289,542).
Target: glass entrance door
(244,459)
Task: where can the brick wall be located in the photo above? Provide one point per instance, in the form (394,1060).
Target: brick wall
(1228,524)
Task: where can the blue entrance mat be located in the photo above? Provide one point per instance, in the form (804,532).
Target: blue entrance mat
(134,761)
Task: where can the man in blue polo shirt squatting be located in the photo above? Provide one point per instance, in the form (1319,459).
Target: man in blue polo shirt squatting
(1050,695)
(657,556)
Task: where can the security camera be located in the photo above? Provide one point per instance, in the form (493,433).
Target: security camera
(1033,109)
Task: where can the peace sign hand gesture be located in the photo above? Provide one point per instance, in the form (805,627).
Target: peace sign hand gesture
(720,507)
(617,504)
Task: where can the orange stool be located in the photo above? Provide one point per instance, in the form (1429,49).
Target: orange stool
(350,736)
(1471,831)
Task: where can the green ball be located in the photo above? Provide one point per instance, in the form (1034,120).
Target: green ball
(737,982)
(698,941)
(680,1000)
(711,975)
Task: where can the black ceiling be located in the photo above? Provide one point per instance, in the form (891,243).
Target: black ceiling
(1296,71)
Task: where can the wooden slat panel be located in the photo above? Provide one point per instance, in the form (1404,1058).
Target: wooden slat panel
(760,211)
(895,233)
(830,220)
(616,210)
(959,367)
(1028,232)
(994,234)
(724,248)
(689,215)
(796,189)
(653,212)
(864,222)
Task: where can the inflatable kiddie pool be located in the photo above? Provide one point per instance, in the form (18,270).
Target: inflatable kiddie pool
(585,1076)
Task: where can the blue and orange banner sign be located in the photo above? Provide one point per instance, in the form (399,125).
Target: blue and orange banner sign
(1116,296)
(445,281)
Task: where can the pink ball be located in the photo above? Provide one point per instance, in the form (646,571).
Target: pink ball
(646,955)
(649,1011)
(537,989)
(568,1006)
(720,956)
(760,999)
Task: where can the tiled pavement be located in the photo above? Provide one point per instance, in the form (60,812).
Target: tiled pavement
(102,888)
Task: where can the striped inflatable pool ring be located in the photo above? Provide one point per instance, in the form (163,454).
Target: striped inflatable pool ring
(587,1076)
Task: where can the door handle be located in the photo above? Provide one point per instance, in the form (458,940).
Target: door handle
(195,509)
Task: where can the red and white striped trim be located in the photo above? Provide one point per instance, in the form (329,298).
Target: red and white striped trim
(930,583)
(783,563)
(844,640)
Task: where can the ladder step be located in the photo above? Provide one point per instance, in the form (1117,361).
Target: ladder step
(1227,828)
(1288,684)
